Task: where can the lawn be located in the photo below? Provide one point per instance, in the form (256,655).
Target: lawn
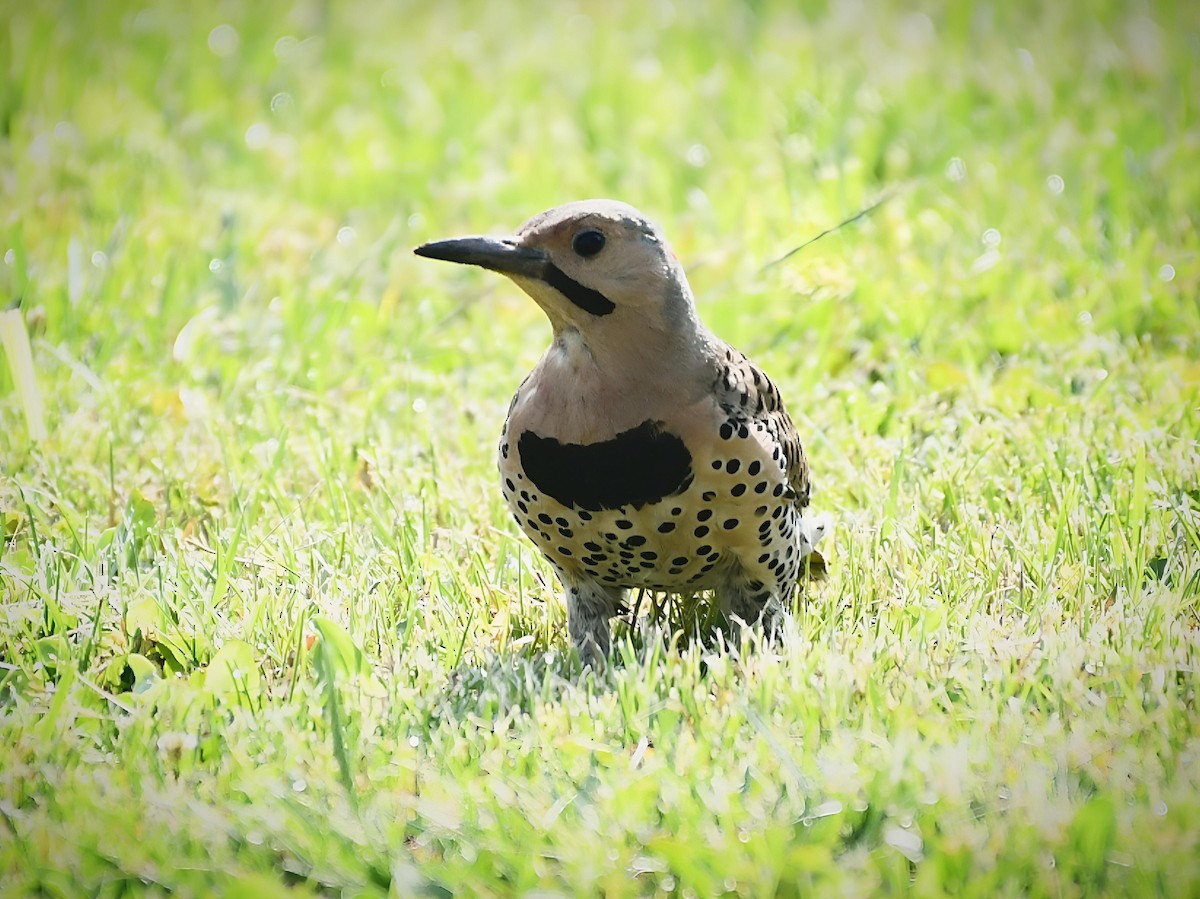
(265,623)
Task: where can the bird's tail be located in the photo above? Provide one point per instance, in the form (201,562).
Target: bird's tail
(813,528)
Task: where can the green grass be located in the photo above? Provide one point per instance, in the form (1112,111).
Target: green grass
(265,621)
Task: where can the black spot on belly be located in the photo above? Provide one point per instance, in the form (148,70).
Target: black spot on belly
(639,466)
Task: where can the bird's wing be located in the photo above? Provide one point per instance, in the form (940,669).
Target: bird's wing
(745,392)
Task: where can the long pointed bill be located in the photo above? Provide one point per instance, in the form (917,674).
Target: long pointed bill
(505,255)
(500,254)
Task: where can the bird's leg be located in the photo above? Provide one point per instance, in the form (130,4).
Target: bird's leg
(751,603)
(589,607)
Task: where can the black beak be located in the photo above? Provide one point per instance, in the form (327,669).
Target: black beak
(505,255)
(500,254)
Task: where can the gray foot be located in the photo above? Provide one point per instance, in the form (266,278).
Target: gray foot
(589,607)
(751,604)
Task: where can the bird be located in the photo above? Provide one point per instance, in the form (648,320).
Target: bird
(642,451)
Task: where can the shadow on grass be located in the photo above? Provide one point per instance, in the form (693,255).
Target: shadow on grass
(656,633)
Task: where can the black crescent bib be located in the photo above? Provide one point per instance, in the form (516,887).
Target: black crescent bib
(639,466)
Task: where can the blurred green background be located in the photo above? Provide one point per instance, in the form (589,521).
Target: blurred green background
(1064,133)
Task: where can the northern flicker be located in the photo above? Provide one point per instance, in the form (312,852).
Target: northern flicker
(642,451)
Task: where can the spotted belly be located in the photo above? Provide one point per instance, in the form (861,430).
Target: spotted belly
(642,511)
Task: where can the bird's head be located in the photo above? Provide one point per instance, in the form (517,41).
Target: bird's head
(598,267)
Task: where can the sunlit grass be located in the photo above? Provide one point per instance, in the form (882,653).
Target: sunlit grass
(265,620)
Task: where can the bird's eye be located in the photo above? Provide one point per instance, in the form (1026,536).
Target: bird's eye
(588,243)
